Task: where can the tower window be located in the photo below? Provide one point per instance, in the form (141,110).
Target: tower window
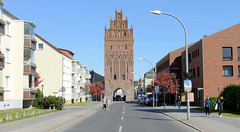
(125,47)
(115,77)
(123,77)
(111,47)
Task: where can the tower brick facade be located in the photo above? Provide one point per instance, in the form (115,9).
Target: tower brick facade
(119,57)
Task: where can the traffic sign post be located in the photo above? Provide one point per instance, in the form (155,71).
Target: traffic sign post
(156,91)
(188,88)
(164,89)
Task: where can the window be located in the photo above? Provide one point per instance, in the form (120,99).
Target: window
(125,47)
(227,53)
(193,72)
(28,29)
(111,47)
(40,46)
(227,71)
(238,70)
(123,77)
(28,56)
(7,55)
(198,72)
(189,58)
(7,28)
(239,53)
(7,82)
(115,77)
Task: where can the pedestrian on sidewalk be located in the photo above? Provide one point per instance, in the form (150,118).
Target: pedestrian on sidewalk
(104,101)
(208,106)
(220,102)
(108,103)
(179,102)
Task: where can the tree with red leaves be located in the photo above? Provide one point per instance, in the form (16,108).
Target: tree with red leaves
(37,80)
(167,80)
(96,88)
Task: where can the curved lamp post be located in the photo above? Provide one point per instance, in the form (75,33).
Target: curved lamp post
(152,73)
(157,12)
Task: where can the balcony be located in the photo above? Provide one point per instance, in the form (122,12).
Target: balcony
(2,58)
(2,27)
(30,42)
(29,94)
(29,68)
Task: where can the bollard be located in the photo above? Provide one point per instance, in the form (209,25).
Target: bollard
(16,115)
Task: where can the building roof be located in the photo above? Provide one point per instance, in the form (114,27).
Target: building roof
(67,52)
(149,74)
(54,47)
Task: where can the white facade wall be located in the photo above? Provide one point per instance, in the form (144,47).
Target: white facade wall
(49,66)
(11,45)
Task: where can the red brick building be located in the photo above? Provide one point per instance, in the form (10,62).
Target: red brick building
(119,57)
(214,62)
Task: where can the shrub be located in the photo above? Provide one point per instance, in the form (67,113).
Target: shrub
(49,101)
(232,95)
(214,101)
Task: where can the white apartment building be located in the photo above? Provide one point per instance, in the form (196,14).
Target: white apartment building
(17,67)
(55,68)
(75,81)
(80,78)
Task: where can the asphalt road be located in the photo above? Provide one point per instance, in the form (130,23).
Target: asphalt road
(128,117)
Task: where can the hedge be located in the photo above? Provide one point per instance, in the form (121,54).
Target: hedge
(49,101)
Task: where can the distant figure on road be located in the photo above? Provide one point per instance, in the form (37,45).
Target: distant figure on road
(220,105)
(179,101)
(104,103)
(208,105)
(108,103)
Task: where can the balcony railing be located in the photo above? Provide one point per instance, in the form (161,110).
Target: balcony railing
(30,41)
(2,59)
(2,27)
(29,94)
(29,67)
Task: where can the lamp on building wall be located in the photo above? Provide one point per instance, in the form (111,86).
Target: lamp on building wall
(157,12)
(42,88)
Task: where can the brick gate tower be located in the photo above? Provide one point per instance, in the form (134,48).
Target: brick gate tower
(119,57)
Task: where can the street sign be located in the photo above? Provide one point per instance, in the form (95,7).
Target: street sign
(63,89)
(156,90)
(164,89)
(187,85)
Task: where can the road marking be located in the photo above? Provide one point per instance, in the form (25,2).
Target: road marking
(122,118)
(120,129)
(123,112)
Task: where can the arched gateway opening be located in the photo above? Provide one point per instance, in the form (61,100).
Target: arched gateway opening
(119,95)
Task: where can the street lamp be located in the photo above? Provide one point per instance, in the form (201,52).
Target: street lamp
(152,73)
(140,83)
(157,12)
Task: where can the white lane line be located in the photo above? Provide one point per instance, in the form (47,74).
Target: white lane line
(123,112)
(122,118)
(120,129)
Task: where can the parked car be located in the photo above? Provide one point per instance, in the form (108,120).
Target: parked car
(149,100)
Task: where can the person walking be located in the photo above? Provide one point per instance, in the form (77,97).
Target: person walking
(208,105)
(108,103)
(104,103)
(220,102)
(179,102)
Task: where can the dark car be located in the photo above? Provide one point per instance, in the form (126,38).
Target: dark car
(149,100)
(118,98)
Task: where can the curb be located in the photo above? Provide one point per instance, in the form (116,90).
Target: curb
(188,124)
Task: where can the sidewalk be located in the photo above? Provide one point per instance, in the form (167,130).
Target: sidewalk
(200,122)
(53,121)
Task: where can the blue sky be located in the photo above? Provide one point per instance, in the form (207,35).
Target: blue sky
(78,25)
